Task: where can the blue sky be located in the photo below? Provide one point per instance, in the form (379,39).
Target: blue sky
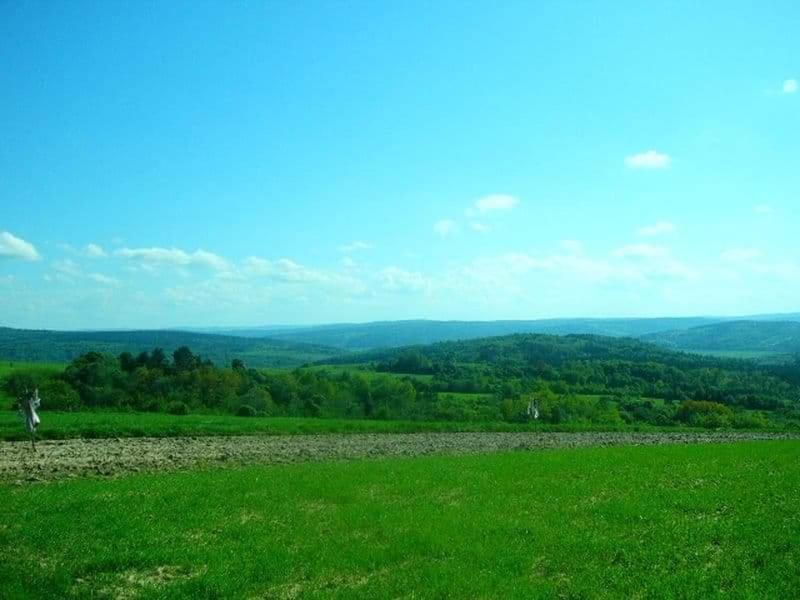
(169,164)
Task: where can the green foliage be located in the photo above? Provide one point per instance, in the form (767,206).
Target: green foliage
(700,413)
(176,407)
(580,380)
(245,410)
(734,336)
(64,346)
(750,420)
(591,365)
(60,395)
(15,378)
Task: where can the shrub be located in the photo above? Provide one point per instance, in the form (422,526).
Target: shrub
(58,395)
(700,413)
(177,408)
(245,410)
(755,420)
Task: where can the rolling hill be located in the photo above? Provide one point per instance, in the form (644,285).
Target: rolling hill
(774,337)
(526,349)
(64,346)
(394,334)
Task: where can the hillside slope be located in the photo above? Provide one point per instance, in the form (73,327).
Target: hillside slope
(393,334)
(64,346)
(537,350)
(754,336)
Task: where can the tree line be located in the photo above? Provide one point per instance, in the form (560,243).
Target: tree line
(568,380)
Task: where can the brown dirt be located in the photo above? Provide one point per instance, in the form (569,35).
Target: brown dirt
(62,459)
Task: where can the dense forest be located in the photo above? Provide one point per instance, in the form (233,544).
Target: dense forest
(571,379)
(64,346)
(753,336)
(394,334)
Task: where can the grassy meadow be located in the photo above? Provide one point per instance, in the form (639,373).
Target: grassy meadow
(107,424)
(689,521)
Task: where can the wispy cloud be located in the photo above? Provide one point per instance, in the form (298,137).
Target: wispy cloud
(104,279)
(640,251)
(396,279)
(68,267)
(355,246)
(572,246)
(283,269)
(660,228)
(94,251)
(739,255)
(763,209)
(174,257)
(478,226)
(492,203)
(648,160)
(790,86)
(445,227)
(13,247)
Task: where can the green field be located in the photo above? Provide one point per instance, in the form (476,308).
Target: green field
(102,424)
(675,521)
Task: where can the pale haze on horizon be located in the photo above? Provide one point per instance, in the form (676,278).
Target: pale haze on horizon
(230,165)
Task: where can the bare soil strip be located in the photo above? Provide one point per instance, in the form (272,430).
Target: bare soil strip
(63,459)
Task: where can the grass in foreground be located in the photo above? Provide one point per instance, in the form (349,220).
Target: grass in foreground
(677,521)
(102,424)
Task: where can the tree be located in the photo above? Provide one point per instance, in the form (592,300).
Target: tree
(158,360)
(183,359)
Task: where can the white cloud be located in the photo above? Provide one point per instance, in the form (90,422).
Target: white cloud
(445,227)
(104,279)
(396,279)
(13,247)
(492,203)
(283,269)
(479,227)
(738,255)
(640,251)
(763,209)
(660,228)
(292,271)
(94,251)
(790,86)
(572,246)
(648,160)
(175,257)
(68,267)
(355,247)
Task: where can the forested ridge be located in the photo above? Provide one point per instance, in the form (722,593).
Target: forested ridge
(64,346)
(581,379)
(755,336)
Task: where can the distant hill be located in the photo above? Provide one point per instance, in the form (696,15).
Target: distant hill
(544,349)
(588,364)
(393,334)
(63,346)
(750,335)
